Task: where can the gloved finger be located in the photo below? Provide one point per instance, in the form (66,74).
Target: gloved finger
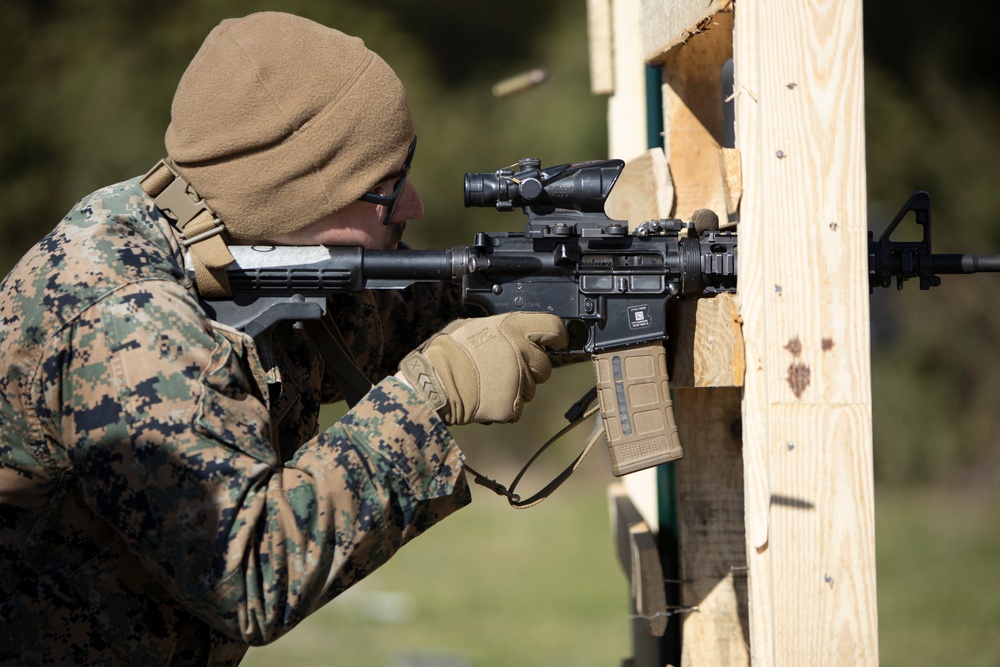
(544,330)
(527,333)
(528,389)
(536,361)
(447,330)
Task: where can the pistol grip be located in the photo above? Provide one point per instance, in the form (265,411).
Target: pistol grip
(634,393)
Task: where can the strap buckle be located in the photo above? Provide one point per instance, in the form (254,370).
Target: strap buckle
(196,225)
(216,229)
(180,202)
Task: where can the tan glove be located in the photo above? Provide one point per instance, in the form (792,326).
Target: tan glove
(485,369)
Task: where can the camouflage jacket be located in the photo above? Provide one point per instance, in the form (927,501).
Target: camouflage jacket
(165,496)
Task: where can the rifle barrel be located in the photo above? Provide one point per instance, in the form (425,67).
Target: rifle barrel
(965,263)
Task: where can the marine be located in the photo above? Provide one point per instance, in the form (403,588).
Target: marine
(167,497)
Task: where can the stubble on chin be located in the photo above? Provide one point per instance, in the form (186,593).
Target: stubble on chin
(396,236)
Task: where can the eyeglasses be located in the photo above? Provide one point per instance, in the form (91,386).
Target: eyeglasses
(390,201)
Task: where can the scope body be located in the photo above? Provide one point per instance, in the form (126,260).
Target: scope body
(580,186)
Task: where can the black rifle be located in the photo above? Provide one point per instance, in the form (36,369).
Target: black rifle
(913,259)
(613,287)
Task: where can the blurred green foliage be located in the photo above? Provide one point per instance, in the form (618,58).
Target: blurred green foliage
(85,92)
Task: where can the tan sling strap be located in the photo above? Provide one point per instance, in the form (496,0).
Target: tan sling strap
(200,230)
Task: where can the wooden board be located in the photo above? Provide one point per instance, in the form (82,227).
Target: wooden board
(627,106)
(804,303)
(707,343)
(710,528)
(707,340)
(640,561)
(600,47)
(693,118)
(667,23)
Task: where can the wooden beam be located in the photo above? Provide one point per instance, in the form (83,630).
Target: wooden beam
(693,119)
(627,106)
(667,23)
(707,340)
(708,352)
(601,47)
(640,561)
(710,528)
(707,343)
(804,301)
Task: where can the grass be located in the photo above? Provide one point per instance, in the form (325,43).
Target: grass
(490,586)
(938,585)
(497,587)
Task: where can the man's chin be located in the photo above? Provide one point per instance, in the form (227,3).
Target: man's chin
(396,237)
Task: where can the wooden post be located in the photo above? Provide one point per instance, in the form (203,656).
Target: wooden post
(807,434)
(795,512)
(708,350)
(710,519)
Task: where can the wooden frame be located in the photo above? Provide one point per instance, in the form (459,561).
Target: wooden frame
(776,544)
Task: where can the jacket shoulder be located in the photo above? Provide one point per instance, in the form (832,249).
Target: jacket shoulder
(111,238)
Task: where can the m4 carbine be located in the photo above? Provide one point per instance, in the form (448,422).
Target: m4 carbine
(613,287)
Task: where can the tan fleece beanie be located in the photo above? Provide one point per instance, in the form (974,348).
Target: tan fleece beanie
(279,121)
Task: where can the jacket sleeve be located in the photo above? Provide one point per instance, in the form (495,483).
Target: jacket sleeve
(171,441)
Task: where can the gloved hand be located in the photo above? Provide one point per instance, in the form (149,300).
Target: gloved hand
(485,369)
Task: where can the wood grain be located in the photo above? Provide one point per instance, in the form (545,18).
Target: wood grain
(665,23)
(600,47)
(710,528)
(804,302)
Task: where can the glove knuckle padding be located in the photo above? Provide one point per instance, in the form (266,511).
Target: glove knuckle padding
(489,366)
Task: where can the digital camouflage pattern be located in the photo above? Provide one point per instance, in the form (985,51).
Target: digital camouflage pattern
(165,496)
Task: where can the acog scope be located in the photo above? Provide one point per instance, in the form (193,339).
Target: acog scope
(580,186)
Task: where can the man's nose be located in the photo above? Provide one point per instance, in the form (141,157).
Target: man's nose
(409,207)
